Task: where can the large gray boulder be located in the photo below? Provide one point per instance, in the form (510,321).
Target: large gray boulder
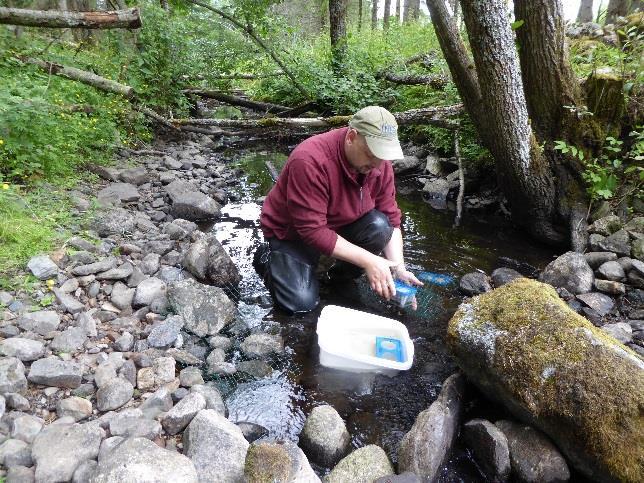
(207,260)
(364,464)
(282,461)
(52,371)
(23,349)
(139,460)
(424,449)
(324,437)
(118,192)
(114,221)
(534,458)
(60,448)
(216,447)
(489,447)
(42,267)
(570,271)
(525,348)
(205,310)
(147,291)
(12,375)
(190,204)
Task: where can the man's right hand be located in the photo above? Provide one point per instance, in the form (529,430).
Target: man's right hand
(378,271)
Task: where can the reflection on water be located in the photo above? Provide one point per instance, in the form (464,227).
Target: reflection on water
(377,409)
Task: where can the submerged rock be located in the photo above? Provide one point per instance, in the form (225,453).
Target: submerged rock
(489,446)
(364,464)
(205,310)
(324,437)
(524,347)
(533,456)
(425,447)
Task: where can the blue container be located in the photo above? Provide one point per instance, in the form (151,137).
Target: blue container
(389,348)
(436,278)
(404,293)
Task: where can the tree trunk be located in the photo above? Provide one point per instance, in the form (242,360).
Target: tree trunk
(374,14)
(129,19)
(359,15)
(435,116)
(460,65)
(636,6)
(397,12)
(385,19)
(435,81)
(415,10)
(237,101)
(585,13)
(407,10)
(165,6)
(83,76)
(338,29)
(524,173)
(616,8)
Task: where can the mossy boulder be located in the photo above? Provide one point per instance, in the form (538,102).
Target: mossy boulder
(266,463)
(524,347)
(362,466)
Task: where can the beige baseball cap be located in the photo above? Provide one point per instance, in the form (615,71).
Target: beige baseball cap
(380,129)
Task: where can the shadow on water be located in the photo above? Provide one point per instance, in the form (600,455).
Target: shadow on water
(377,409)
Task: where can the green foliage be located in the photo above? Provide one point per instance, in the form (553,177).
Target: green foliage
(617,171)
(30,223)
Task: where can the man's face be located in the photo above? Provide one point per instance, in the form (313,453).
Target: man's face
(359,155)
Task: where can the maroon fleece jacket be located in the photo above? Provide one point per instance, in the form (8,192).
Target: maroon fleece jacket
(317,193)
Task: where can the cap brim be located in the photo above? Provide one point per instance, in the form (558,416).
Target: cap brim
(388,149)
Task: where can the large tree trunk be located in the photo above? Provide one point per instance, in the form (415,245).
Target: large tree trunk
(415,9)
(83,76)
(524,173)
(460,65)
(338,29)
(385,19)
(585,13)
(117,19)
(616,8)
(407,10)
(237,101)
(374,14)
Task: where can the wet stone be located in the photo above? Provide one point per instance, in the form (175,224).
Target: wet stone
(620,331)
(474,283)
(600,303)
(490,448)
(262,345)
(611,271)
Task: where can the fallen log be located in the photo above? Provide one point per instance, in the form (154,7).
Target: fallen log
(435,116)
(116,19)
(436,81)
(237,101)
(551,368)
(83,76)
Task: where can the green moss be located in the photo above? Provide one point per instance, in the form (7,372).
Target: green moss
(575,379)
(267,463)
(338,120)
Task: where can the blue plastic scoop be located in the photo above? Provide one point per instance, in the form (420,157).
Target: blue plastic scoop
(389,348)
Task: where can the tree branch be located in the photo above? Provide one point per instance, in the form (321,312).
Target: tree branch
(249,31)
(237,101)
(116,19)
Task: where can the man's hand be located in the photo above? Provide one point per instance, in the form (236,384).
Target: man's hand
(378,272)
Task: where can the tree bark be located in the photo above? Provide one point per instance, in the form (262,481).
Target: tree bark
(237,101)
(415,10)
(385,19)
(338,30)
(436,81)
(374,14)
(397,12)
(251,33)
(116,19)
(460,65)
(359,15)
(616,8)
(585,13)
(83,76)
(524,173)
(407,11)
(435,116)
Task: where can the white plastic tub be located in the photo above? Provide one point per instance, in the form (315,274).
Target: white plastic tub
(347,340)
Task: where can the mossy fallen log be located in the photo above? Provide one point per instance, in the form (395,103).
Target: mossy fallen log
(524,347)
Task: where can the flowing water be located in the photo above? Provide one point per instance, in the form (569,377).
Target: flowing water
(377,409)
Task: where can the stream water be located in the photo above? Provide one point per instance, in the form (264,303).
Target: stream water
(377,410)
